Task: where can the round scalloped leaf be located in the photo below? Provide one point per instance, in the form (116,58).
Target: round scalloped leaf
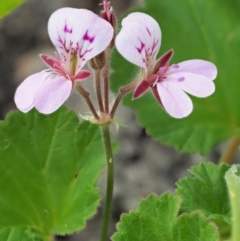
(207,191)
(48,169)
(156,219)
(192,30)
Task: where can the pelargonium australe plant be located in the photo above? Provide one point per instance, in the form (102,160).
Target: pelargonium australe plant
(51,158)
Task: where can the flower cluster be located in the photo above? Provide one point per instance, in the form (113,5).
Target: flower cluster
(80,36)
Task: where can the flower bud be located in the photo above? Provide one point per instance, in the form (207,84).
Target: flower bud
(109,15)
(98,62)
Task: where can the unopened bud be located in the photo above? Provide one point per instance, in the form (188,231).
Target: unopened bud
(98,62)
(109,15)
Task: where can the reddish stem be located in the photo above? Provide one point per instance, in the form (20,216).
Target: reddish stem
(98,89)
(85,95)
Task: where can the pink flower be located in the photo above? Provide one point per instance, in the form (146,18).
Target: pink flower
(139,42)
(78,35)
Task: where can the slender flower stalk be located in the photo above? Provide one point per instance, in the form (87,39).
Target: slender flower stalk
(110,182)
(106,90)
(104,73)
(123,90)
(85,95)
(98,89)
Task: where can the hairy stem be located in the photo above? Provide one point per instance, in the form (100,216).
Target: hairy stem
(106,87)
(230,151)
(124,90)
(98,89)
(110,182)
(116,103)
(106,80)
(85,95)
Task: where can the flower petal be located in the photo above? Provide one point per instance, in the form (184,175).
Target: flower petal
(139,40)
(196,66)
(78,31)
(194,84)
(52,94)
(26,91)
(174,100)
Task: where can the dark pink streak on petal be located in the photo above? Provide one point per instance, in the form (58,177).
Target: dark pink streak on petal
(151,51)
(66,29)
(63,44)
(155,42)
(148,31)
(141,89)
(81,54)
(88,37)
(141,48)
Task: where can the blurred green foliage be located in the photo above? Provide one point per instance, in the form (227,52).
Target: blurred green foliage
(6,6)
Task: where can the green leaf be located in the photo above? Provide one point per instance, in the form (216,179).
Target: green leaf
(6,6)
(19,234)
(195,30)
(207,192)
(156,220)
(233,182)
(48,169)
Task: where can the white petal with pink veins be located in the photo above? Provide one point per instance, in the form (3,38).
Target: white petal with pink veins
(194,84)
(139,40)
(26,91)
(175,101)
(196,66)
(146,21)
(52,94)
(79,30)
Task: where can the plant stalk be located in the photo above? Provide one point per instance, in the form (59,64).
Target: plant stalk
(106,80)
(85,95)
(106,88)
(110,182)
(230,151)
(98,89)
(124,90)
